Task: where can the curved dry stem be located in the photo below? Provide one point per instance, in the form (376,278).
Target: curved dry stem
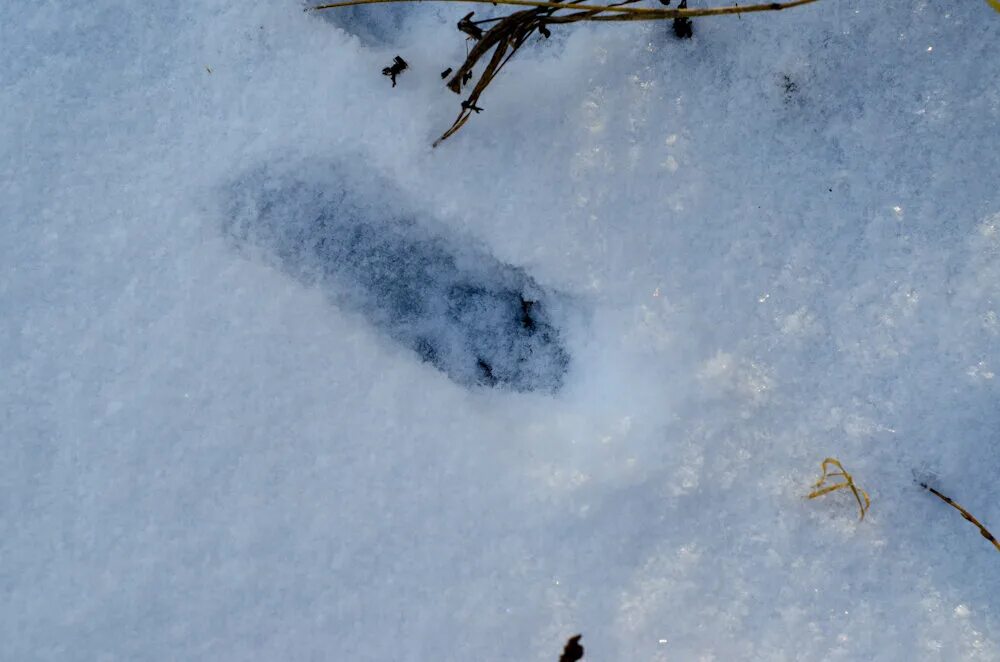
(820,488)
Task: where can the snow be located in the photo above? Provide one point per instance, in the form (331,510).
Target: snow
(774,243)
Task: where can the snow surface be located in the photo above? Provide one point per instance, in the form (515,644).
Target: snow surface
(773,243)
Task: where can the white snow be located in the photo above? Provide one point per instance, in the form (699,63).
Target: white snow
(776,242)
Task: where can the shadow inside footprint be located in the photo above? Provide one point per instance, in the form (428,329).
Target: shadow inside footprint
(476,319)
(374,26)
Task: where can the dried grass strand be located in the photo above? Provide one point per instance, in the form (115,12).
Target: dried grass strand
(983,531)
(820,488)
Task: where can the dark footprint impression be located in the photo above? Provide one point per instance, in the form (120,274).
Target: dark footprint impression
(479,321)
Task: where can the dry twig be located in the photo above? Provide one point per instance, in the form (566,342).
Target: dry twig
(510,32)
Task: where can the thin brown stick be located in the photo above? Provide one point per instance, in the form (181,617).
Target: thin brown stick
(572,2)
(965,513)
(647,13)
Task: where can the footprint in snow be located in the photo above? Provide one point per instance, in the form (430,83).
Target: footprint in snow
(474,318)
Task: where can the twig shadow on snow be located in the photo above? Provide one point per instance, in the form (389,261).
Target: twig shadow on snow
(374,26)
(476,319)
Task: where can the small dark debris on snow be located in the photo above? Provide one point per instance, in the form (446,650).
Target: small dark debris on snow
(446,73)
(790,86)
(399,65)
(526,321)
(573,651)
(683,28)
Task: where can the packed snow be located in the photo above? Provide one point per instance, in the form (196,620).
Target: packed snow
(693,268)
